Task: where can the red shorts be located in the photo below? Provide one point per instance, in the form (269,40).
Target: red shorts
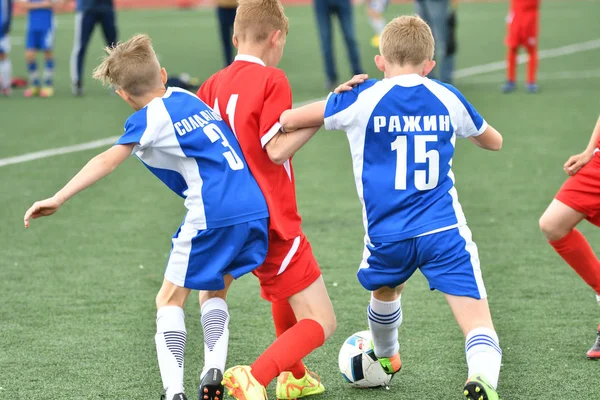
(289,268)
(581,192)
(523,29)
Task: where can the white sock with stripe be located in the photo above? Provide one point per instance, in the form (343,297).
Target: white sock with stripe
(170,346)
(385,317)
(215,323)
(484,355)
(6,73)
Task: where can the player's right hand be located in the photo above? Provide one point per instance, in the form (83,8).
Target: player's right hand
(576,162)
(347,86)
(41,208)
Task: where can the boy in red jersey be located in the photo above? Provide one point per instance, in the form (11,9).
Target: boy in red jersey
(578,199)
(523,21)
(250,95)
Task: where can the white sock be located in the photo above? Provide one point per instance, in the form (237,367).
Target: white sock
(6,73)
(484,355)
(378,24)
(384,320)
(215,323)
(170,346)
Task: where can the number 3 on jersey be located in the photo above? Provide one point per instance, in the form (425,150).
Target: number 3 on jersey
(214,133)
(431,157)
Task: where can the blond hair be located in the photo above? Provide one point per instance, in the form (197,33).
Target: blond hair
(407,40)
(256,19)
(131,66)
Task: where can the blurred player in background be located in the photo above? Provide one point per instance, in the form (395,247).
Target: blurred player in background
(402,131)
(40,37)
(523,27)
(226,16)
(88,14)
(251,94)
(375,10)
(193,152)
(5,64)
(324,10)
(578,199)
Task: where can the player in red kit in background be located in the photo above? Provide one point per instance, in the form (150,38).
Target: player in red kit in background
(523,27)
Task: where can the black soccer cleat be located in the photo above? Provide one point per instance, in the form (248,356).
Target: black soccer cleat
(178,396)
(211,386)
(594,352)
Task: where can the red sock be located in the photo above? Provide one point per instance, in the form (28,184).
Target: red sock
(293,345)
(532,65)
(576,251)
(284,319)
(511,64)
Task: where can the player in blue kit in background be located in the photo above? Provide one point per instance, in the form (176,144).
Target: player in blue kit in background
(191,149)
(5,64)
(40,37)
(402,132)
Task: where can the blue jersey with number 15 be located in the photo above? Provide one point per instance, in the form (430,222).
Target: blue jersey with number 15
(402,133)
(192,150)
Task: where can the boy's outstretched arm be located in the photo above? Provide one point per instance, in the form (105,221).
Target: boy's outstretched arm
(490,139)
(309,115)
(96,169)
(284,145)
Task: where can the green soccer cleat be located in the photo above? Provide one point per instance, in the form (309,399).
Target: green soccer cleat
(391,365)
(478,388)
(288,387)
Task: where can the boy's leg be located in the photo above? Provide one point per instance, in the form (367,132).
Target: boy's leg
(84,26)
(482,348)
(385,317)
(5,66)
(171,336)
(323,16)
(558,225)
(109,27)
(32,71)
(283,319)
(47,90)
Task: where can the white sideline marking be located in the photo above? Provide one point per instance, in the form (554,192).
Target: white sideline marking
(550,53)
(545,76)
(461,73)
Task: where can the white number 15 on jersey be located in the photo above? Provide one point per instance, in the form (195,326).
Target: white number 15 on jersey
(431,157)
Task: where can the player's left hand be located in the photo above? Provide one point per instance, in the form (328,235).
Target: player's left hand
(576,162)
(41,208)
(347,86)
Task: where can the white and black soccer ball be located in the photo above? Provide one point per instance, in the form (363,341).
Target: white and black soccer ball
(358,363)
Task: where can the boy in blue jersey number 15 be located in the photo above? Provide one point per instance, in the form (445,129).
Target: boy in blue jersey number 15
(190,148)
(402,132)
(40,38)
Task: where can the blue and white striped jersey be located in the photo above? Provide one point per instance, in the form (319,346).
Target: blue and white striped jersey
(192,151)
(402,133)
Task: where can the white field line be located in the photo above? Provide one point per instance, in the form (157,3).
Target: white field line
(462,73)
(550,53)
(544,76)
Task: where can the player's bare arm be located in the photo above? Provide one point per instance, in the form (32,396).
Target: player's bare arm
(96,169)
(284,145)
(490,139)
(310,115)
(576,162)
(35,6)
(347,86)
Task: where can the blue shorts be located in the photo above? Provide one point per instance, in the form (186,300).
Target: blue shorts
(4,44)
(378,6)
(42,40)
(448,259)
(201,258)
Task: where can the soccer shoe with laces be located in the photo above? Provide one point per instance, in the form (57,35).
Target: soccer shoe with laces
(391,365)
(242,385)
(31,91)
(594,352)
(178,396)
(478,388)
(288,387)
(47,91)
(211,385)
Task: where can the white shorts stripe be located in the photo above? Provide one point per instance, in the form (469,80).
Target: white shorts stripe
(471,248)
(180,255)
(289,256)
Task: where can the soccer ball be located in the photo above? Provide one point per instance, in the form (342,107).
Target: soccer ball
(358,363)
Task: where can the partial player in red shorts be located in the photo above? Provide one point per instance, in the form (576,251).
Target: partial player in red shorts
(523,26)
(578,199)
(250,95)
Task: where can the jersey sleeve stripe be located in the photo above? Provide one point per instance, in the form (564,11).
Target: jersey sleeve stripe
(270,134)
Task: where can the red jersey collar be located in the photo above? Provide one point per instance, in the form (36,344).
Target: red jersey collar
(249,58)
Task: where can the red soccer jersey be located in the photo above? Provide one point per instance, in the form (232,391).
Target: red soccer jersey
(251,97)
(524,5)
